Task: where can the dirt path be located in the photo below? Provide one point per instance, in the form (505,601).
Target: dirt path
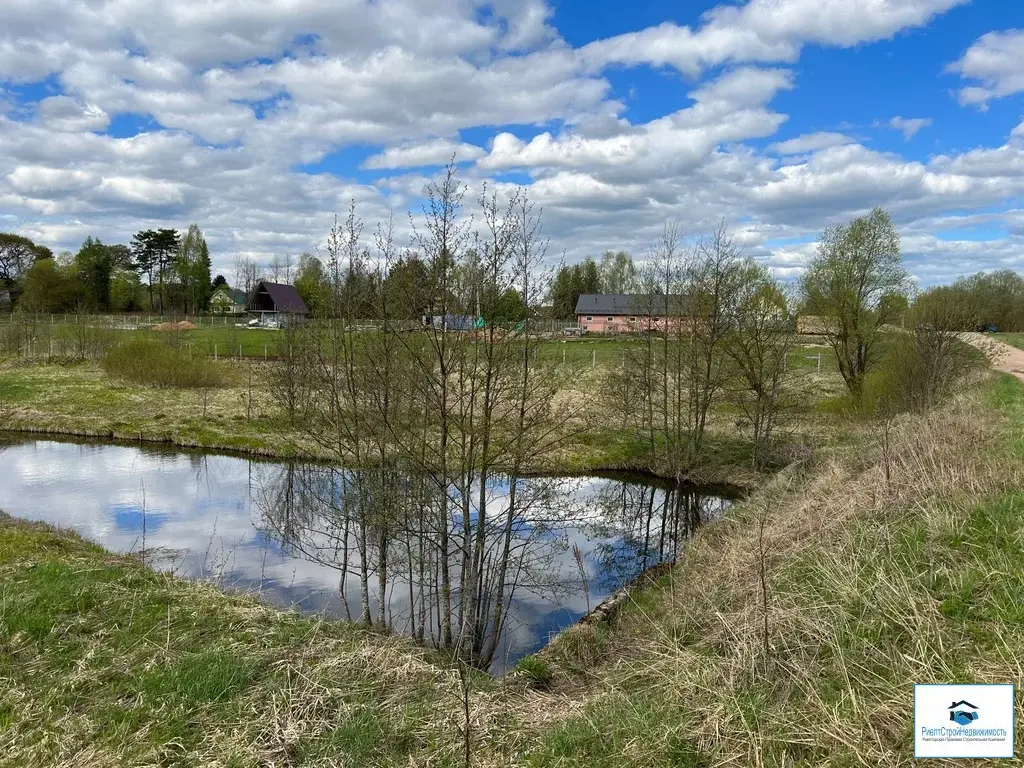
(1002,355)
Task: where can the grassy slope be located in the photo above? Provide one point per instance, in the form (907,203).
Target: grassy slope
(873,585)
(103,663)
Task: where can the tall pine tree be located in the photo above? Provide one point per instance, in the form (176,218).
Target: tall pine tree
(145,257)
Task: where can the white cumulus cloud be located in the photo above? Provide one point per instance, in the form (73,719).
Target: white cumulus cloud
(430,153)
(995,63)
(62,113)
(910,126)
(810,142)
(235,99)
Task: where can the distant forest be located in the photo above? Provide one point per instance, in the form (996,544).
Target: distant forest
(164,270)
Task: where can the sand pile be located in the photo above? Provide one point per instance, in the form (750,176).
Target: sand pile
(182,325)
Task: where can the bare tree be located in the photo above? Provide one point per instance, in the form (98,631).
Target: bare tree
(689,304)
(246,274)
(714,278)
(433,417)
(276,267)
(758,348)
(930,360)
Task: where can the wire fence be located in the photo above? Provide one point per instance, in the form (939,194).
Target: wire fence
(88,337)
(140,321)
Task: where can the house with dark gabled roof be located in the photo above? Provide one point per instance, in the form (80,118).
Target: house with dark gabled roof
(630,313)
(275,304)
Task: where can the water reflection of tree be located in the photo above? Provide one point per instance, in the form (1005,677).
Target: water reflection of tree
(412,553)
(644,525)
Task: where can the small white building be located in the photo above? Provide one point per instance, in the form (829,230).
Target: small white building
(227,301)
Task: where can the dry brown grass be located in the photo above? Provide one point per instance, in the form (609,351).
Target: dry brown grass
(867,562)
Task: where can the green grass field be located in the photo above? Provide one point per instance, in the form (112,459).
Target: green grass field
(104,662)
(223,339)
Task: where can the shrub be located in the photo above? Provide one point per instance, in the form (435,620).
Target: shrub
(920,370)
(82,341)
(155,364)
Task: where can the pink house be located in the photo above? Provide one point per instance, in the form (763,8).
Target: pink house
(627,313)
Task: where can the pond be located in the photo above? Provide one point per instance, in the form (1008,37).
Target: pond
(543,554)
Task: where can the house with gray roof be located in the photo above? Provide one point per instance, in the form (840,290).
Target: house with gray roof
(629,313)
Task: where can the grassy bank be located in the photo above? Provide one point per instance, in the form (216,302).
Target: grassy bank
(881,569)
(875,567)
(106,663)
(79,399)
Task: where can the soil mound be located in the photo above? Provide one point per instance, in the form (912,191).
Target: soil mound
(182,325)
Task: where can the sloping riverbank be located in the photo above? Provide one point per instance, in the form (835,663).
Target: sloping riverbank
(105,662)
(777,640)
(78,400)
(819,603)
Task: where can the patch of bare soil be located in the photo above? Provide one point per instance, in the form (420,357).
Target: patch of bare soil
(1003,357)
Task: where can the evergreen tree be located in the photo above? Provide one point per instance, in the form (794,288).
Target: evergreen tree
(165,245)
(94,263)
(145,257)
(570,283)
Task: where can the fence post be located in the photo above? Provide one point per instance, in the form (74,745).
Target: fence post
(819,362)
(563,355)
(239,353)
(264,353)
(214,351)
(593,359)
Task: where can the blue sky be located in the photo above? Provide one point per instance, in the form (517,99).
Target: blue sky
(261,119)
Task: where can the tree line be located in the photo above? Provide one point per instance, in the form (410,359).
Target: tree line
(108,277)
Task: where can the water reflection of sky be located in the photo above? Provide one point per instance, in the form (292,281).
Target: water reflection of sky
(199,515)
